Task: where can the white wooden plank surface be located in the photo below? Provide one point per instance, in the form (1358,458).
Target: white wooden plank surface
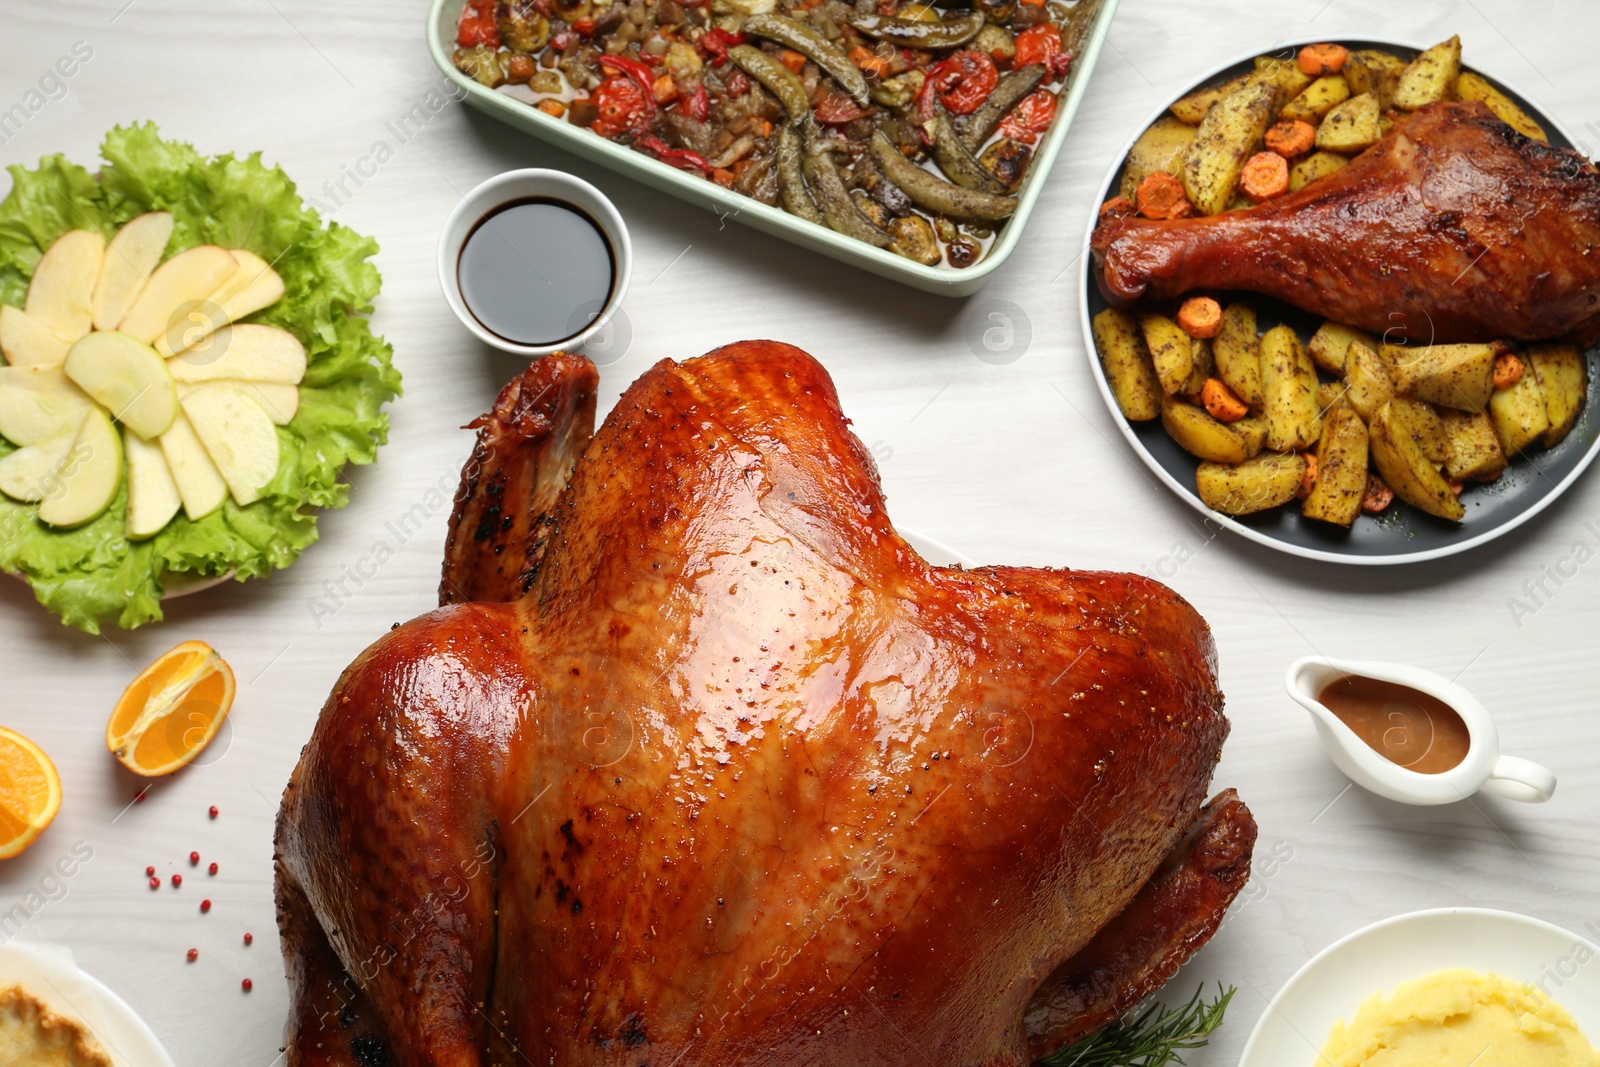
(1015,462)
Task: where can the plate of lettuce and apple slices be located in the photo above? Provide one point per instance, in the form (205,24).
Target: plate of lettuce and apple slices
(188,368)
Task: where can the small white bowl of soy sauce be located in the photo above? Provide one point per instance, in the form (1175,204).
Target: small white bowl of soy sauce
(535,261)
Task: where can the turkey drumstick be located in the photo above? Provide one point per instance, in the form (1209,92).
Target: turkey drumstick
(1454,227)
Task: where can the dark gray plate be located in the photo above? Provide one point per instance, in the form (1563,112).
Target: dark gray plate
(1402,534)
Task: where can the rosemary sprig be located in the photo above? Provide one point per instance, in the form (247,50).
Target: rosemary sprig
(1153,1039)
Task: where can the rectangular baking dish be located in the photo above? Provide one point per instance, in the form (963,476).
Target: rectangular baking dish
(774,220)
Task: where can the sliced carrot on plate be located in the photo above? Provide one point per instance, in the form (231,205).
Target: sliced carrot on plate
(1291,137)
(1200,316)
(1319,60)
(1221,402)
(1265,175)
(1161,196)
(171,711)
(30,792)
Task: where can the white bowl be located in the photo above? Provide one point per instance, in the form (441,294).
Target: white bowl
(1295,1026)
(50,975)
(522,185)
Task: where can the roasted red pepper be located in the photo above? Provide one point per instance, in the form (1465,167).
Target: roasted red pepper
(1030,117)
(476,25)
(681,158)
(696,105)
(623,106)
(836,109)
(716,41)
(1041,44)
(961,83)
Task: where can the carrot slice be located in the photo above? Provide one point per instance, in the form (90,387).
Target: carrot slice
(1221,402)
(1308,480)
(1378,495)
(1116,208)
(1200,316)
(1265,175)
(1319,60)
(792,59)
(1291,137)
(1161,196)
(1507,371)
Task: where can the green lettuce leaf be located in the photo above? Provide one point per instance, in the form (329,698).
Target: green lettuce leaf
(93,572)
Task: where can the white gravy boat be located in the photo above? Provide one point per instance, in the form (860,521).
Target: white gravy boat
(1483,767)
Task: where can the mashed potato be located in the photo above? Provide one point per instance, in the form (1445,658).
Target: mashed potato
(1460,1017)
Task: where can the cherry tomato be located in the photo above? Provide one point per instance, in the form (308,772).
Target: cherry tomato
(1041,44)
(622,106)
(476,26)
(1030,117)
(962,82)
(836,109)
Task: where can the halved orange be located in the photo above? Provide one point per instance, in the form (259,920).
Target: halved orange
(30,792)
(171,711)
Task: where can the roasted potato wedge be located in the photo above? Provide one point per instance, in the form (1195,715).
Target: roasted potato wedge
(1171,350)
(1341,469)
(1204,366)
(1194,107)
(1430,77)
(1427,428)
(1369,70)
(1162,147)
(1472,446)
(1316,165)
(1201,435)
(1456,376)
(1331,342)
(1229,134)
(1238,355)
(1317,99)
(1354,126)
(1286,72)
(1403,466)
(1519,413)
(1470,86)
(1253,428)
(1267,480)
(1367,377)
(1289,388)
(1129,370)
(1563,379)
(1329,394)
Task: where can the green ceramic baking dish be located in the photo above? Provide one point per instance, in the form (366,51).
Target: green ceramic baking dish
(943,280)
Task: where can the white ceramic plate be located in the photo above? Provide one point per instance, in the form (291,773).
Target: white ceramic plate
(1295,1025)
(1402,534)
(51,976)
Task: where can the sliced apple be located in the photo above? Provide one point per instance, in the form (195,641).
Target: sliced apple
(280,401)
(27,342)
(26,473)
(238,435)
(90,476)
(190,277)
(249,351)
(200,484)
(255,286)
(126,377)
(39,403)
(61,294)
(152,494)
(133,255)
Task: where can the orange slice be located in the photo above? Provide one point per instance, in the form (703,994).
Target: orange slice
(171,711)
(30,792)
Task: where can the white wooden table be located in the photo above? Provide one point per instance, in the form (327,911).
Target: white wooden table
(1014,462)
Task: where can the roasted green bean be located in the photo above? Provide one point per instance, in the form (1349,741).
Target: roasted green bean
(934,193)
(776,78)
(959,164)
(1006,95)
(914,33)
(838,210)
(791,177)
(815,47)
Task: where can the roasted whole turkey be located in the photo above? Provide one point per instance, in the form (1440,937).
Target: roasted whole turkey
(700,763)
(1454,227)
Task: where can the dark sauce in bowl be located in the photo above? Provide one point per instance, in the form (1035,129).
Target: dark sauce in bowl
(536,271)
(1405,726)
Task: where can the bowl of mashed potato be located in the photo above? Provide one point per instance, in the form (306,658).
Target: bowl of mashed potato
(1450,986)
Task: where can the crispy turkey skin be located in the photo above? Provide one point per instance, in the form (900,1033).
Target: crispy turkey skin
(722,772)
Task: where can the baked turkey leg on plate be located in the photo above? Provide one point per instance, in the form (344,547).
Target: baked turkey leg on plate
(1454,227)
(718,771)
